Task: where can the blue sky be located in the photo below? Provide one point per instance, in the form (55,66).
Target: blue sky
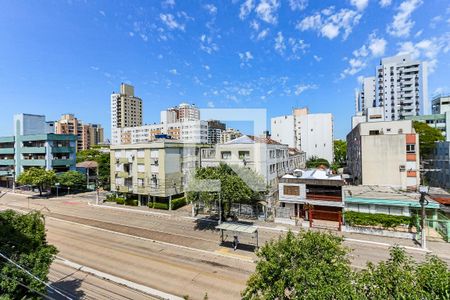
(68,56)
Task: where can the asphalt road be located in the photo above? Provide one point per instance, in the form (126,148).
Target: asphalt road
(170,253)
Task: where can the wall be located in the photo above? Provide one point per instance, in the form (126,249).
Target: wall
(283,131)
(315,136)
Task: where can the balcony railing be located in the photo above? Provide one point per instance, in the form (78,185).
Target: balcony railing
(323,197)
(34,150)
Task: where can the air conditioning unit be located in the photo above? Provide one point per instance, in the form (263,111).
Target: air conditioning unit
(402,168)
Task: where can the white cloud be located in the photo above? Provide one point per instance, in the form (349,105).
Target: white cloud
(246,8)
(267,10)
(170,22)
(402,24)
(385,3)
(317,58)
(206,67)
(360,79)
(174,72)
(360,4)
(262,35)
(355,65)
(300,88)
(102,13)
(279,43)
(245,57)
(330,24)
(427,49)
(160,56)
(131,33)
(254,25)
(298,4)
(168,3)
(377,45)
(211,8)
(211,104)
(95,68)
(144,37)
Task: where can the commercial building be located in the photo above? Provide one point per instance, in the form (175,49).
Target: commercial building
(400,88)
(438,174)
(33,146)
(438,121)
(384,154)
(310,133)
(157,170)
(309,195)
(87,134)
(126,111)
(263,155)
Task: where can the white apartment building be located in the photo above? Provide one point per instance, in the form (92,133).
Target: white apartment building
(384,154)
(441,104)
(126,111)
(400,88)
(263,155)
(311,133)
(229,134)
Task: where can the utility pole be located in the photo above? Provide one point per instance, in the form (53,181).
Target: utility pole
(14,180)
(423,202)
(220,209)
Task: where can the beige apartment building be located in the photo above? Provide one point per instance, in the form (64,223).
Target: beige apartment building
(87,134)
(384,154)
(156,170)
(126,111)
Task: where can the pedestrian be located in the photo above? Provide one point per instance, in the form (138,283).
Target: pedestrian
(235,242)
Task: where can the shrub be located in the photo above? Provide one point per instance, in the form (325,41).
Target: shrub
(177,203)
(120,200)
(131,202)
(111,198)
(158,205)
(367,219)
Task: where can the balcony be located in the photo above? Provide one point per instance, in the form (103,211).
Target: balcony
(141,160)
(63,149)
(122,174)
(323,197)
(63,162)
(123,189)
(141,175)
(33,150)
(33,162)
(6,162)
(123,160)
(6,150)
(143,190)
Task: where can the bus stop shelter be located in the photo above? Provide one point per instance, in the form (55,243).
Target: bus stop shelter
(237,229)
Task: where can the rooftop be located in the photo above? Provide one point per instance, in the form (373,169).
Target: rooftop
(251,139)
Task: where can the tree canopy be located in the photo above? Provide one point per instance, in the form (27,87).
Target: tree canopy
(233,187)
(72,179)
(315,162)
(23,240)
(315,265)
(340,153)
(37,177)
(103,160)
(427,138)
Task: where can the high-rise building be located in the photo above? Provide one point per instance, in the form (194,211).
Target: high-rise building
(229,134)
(215,129)
(311,133)
(87,134)
(400,88)
(126,110)
(441,104)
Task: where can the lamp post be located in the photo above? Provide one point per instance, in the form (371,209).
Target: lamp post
(220,209)
(14,180)
(423,202)
(57,188)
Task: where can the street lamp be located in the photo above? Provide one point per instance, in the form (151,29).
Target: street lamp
(423,202)
(57,188)
(14,180)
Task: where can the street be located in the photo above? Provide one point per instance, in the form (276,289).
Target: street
(171,253)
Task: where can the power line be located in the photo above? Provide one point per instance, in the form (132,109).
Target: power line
(26,286)
(34,277)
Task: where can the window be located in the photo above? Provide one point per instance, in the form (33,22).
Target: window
(374,132)
(244,154)
(410,148)
(292,190)
(226,154)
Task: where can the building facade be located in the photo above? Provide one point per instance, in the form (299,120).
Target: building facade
(126,111)
(310,133)
(215,129)
(263,155)
(439,173)
(309,195)
(384,154)
(160,169)
(32,146)
(229,134)
(440,104)
(87,134)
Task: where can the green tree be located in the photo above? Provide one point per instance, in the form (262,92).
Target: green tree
(340,153)
(427,138)
(103,161)
(402,278)
(37,177)
(315,162)
(72,180)
(23,240)
(234,188)
(311,265)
